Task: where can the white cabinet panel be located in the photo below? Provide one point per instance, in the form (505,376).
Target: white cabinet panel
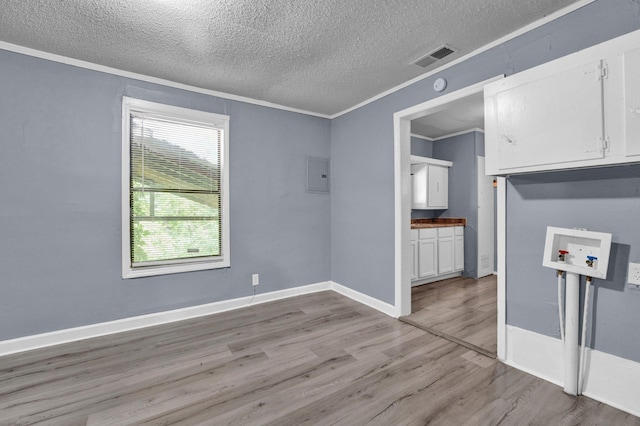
(445,255)
(420,177)
(458,243)
(427,257)
(556,118)
(438,192)
(414,260)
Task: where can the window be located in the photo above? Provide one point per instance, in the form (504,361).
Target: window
(175,197)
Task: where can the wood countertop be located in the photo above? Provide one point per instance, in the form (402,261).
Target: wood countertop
(437,222)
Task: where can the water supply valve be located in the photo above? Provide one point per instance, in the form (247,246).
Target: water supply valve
(590,260)
(561,255)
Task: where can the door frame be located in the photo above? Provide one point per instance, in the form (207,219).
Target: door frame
(402,206)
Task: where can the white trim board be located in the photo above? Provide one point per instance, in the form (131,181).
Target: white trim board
(414,135)
(461,132)
(109,70)
(402,193)
(58,337)
(608,378)
(540,22)
(68,335)
(161,81)
(374,303)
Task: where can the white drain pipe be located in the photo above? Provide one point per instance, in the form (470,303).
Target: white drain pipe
(561,303)
(585,317)
(571,332)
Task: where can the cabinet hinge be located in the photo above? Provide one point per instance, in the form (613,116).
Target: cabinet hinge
(604,70)
(605,143)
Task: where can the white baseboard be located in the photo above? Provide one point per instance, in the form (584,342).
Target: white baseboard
(437,278)
(58,337)
(608,379)
(383,307)
(27,343)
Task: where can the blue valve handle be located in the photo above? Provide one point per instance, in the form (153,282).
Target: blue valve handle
(592,258)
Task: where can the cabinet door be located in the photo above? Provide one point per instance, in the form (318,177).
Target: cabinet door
(438,184)
(632,102)
(427,257)
(414,260)
(445,255)
(551,119)
(458,255)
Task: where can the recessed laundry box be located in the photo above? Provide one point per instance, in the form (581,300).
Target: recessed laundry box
(576,250)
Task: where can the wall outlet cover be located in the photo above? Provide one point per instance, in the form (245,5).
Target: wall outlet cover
(633,277)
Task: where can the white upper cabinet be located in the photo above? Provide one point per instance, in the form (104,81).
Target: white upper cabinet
(430,181)
(582,110)
(554,119)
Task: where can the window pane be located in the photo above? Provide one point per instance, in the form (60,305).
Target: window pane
(174,239)
(175,185)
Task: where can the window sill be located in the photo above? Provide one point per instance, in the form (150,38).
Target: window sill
(149,271)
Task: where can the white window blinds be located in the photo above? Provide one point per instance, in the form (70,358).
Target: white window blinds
(175,189)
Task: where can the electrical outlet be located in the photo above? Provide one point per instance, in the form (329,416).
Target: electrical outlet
(255,279)
(633,277)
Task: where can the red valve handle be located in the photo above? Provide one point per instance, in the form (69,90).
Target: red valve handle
(563,252)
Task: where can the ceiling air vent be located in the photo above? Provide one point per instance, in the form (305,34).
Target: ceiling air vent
(434,56)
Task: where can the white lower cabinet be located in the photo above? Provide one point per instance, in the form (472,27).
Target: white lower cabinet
(436,253)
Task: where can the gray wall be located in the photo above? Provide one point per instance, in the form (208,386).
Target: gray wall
(463,189)
(60,212)
(362,246)
(421,147)
(60,220)
(603,200)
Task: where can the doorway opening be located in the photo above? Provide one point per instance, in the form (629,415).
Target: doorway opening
(423,116)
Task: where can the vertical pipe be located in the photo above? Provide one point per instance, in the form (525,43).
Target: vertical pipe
(571,352)
(560,303)
(585,317)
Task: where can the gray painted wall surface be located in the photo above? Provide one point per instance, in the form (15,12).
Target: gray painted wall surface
(603,200)
(60,220)
(421,147)
(60,217)
(463,190)
(362,247)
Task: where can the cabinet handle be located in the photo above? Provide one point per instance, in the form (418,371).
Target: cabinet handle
(507,139)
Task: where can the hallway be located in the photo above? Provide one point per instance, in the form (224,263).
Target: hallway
(461,309)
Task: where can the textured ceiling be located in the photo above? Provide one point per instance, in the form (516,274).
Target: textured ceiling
(322,56)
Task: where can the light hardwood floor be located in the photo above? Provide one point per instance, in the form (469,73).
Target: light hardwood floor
(464,309)
(314,359)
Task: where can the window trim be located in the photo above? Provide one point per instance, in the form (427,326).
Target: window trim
(186,115)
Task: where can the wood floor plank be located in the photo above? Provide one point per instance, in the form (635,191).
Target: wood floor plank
(464,309)
(314,359)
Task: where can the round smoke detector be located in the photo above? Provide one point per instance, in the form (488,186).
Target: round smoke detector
(439,85)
